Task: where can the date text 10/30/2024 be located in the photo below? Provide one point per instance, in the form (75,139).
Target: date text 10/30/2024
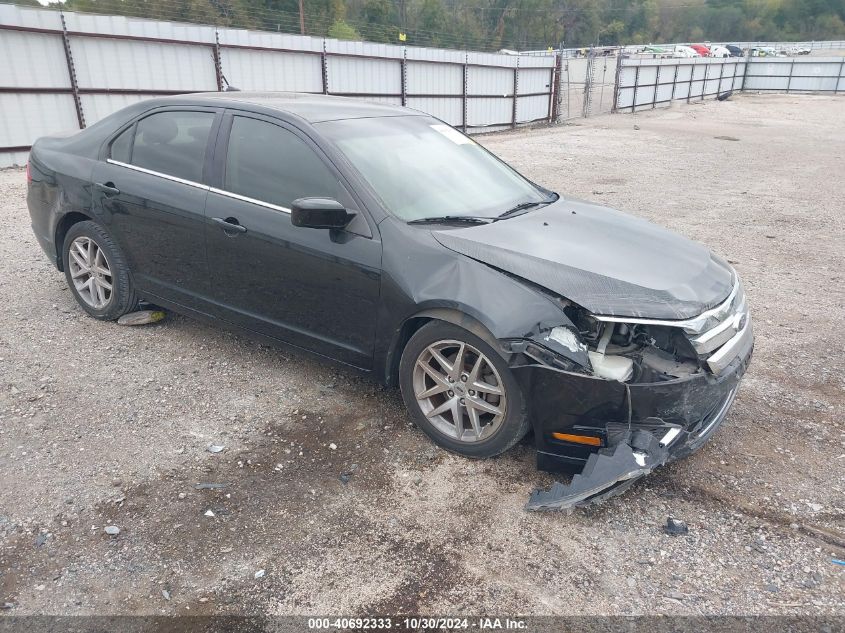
(417,623)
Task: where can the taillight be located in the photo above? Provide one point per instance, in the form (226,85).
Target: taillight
(28,173)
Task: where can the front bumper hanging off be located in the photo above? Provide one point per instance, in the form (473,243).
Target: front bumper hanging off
(641,426)
(606,473)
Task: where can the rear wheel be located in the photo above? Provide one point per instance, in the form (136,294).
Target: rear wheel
(460,391)
(97,273)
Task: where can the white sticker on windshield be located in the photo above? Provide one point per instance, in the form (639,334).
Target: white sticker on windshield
(452,134)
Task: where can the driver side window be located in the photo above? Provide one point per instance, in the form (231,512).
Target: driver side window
(269,163)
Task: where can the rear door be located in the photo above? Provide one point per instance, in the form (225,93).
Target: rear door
(317,289)
(151,190)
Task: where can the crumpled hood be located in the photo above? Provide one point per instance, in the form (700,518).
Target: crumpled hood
(607,261)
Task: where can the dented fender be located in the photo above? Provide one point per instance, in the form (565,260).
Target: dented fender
(497,307)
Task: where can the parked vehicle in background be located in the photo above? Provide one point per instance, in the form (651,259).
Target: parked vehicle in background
(763,51)
(735,50)
(657,51)
(793,51)
(701,49)
(719,51)
(685,51)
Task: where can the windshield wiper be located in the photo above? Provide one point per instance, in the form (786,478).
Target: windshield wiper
(517,210)
(445,219)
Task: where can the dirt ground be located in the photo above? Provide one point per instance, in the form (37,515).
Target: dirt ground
(106,425)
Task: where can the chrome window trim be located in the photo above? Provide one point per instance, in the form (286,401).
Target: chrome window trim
(237,196)
(143,170)
(691,324)
(199,185)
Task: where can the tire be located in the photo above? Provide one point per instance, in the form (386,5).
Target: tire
(499,432)
(111,304)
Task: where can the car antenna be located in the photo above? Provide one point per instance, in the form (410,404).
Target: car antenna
(229,87)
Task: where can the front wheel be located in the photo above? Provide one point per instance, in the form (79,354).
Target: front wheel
(460,391)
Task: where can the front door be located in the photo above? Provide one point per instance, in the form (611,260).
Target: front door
(313,288)
(150,191)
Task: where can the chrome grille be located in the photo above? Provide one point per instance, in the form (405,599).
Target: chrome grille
(714,328)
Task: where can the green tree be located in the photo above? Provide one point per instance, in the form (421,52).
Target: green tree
(517,24)
(340,30)
(431,23)
(377,14)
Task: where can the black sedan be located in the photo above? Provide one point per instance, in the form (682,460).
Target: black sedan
(382,238)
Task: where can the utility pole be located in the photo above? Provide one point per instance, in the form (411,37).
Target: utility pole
(301,19)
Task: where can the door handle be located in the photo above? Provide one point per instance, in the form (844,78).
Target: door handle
(229,225)
(107,188)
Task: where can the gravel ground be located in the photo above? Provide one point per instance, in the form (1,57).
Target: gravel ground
(106,425)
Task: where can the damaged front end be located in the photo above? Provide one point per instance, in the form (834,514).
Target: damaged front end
(645,392)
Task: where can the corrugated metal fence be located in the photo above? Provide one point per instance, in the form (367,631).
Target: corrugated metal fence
(63,71)
(648,83)
(66,70)
(796,74)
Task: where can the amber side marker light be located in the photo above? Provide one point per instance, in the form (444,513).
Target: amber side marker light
(578,439)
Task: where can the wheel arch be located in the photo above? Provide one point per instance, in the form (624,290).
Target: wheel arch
(413,323)
(62,228)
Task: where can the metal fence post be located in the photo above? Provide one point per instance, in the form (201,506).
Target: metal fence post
(789,79)
(721,74)
(324,69)
(636,88)
(704,83)
(554,88)
(674,82)
(588,84)
(616,81)
(515,91)
(656,86)
(218,70)
(71,71)
(466,78)
(839,77)
(745,70)
(404,75)
(691,77)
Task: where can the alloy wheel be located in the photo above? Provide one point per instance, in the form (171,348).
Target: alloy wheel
(459,390)
(90,272)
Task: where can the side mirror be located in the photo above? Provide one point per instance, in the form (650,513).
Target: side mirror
(319,213)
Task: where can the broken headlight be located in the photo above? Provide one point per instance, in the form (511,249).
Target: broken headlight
(634,351)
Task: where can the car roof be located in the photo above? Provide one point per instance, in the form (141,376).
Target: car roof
(314,108)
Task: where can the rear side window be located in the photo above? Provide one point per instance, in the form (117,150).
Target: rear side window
(269,163)
(171,143)
(121,147)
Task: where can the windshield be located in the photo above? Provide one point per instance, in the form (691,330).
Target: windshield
(422,168)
